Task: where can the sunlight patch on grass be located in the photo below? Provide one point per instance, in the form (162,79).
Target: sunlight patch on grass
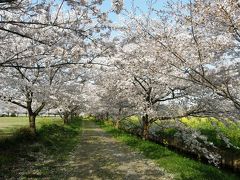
(8,125)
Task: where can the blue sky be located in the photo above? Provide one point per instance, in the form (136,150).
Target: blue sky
(127,5)
(141,4)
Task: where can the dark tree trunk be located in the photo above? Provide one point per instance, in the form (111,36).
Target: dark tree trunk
(32,115)
(73,115)
(145,128)
(66,118)
(118,118)
(32,122)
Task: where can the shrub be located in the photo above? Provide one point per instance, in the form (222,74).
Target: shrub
(13,115)
(24,134)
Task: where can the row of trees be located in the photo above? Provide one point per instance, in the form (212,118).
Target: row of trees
(174,60)
(183,62)
(47,48)
(178,61)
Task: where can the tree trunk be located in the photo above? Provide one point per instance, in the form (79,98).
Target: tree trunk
(32,122)
(117,123)
(145,128)
(118,118)
(66,118)
(73,115)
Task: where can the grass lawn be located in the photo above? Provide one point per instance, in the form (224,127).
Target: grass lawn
(26,156)
(8,125)
(182,167)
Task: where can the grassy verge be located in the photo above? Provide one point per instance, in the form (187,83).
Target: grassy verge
(204,125)
(24,156)
(182,167)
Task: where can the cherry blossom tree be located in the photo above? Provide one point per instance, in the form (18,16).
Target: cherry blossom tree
(147,78)
(202,42)
(112,94)
(71,98)
(70,102)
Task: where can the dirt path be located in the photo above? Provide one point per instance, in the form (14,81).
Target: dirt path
(99,156)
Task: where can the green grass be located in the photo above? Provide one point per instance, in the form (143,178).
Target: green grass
(8,125)
(182,167)
(24,155)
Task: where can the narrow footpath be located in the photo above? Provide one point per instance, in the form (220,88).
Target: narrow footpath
(100,157)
